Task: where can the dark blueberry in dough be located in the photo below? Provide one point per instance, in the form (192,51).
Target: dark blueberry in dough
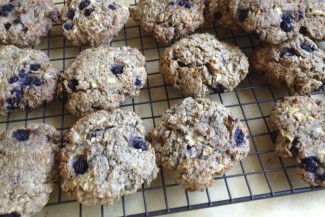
(294,150)
(71,14)
(243,14)
(217,15)
(138,82)
(6,9)
(22,74)
(83,4)
(68,26)
(17,21)
(117,69)
(181,3)
(13,214)
(239,137)
(301,14)
(219,89)
(288,52)
(28,81)
(303,30)
(321,177)
(21,135)
(138,143)
(286,24)
(7,26)
(12,101)
(25,30)
(88,11)
(13,79)
(307,47)
(37,82)
(112,6)
(189,5)
(188,147)
(95,133)
(80,166)
(35,66)
(63,96)
(16,92)
(73,84)
(309,164)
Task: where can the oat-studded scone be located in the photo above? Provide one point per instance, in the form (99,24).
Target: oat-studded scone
(93,22)
(314,24)
(28,164)
(297,63)
(24,22)
(105,157)
(197,140)
(169,19)
(200,62)
(300,124)
(99,78)
(274,20)
(27,79)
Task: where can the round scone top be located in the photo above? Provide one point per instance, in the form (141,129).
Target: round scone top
(24,22)
(169,19)
(99,78)
(28,165)
(298,63)
(105,157)
(200,62)
(93,22)
(27,79)
(274,20)
(199,139)
(300,125)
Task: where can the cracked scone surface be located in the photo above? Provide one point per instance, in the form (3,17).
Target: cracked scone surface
(28,165)
(27,79)
(298,63)
(199,139)
(300,125)
(99,78)
(314,24)
(274,20)
(24,22)
(93,22)
(105,157)
(200,62)
(169,19)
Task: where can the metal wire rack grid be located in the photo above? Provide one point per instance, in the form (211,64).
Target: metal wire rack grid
(261,175)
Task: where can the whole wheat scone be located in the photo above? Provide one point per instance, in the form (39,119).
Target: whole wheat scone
(300,125)
(93,22)
(200,62)
(99,78)
(314,23)
(27,79)
(105,157)
(274,20)
(169,19)
(24,22)
(28,159)
(298,63)
(197,140)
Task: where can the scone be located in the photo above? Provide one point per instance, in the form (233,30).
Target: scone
(197,140)
(297,63)
(25,22)
(28,165)
(99,78)
(27,79)
(105,157)
(200,63)
(93,22)
(300,125)
(169,19)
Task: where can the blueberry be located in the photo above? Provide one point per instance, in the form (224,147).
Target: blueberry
(189,5)
(37,82)
(301,14)
(95,133)
(13,79)
(217,15)
(243,14)
(117,69)
(80,166)
(63,96)
(181,3)
(22,74)
(219,89)
(83,4)
(309,164)
(188,147)
(88,11)
(71,14)
(21,135)
(25,30)
(286,24)
(138,143)
(17,21)
(13,214)
(112,6)
(321,177)
(303,30)
(68,26)
(12,101)
(28,81)
(239,137)
(6,9)
(294,150)
(35,66)
(7,26)
(288,52)
(16,92)
(307,47)
(138,82)
(73,84)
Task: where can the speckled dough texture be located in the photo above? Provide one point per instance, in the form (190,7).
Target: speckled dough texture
(99,78)
(199,139)
(169,19)
(27,79)
(24,22)
(274,20)
(200,62)
(114,158)
(27,169)
(297,63)
(93,22)
(300,125)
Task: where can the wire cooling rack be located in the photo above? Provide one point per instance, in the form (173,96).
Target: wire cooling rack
(261,175)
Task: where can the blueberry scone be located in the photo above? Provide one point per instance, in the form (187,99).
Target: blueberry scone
(300,125)
(99,78)
(24,22)
(93,22)
(27,79)
(200,62)
(298,63)
(28,164)
(169,19)
(105,157)
(197,140)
